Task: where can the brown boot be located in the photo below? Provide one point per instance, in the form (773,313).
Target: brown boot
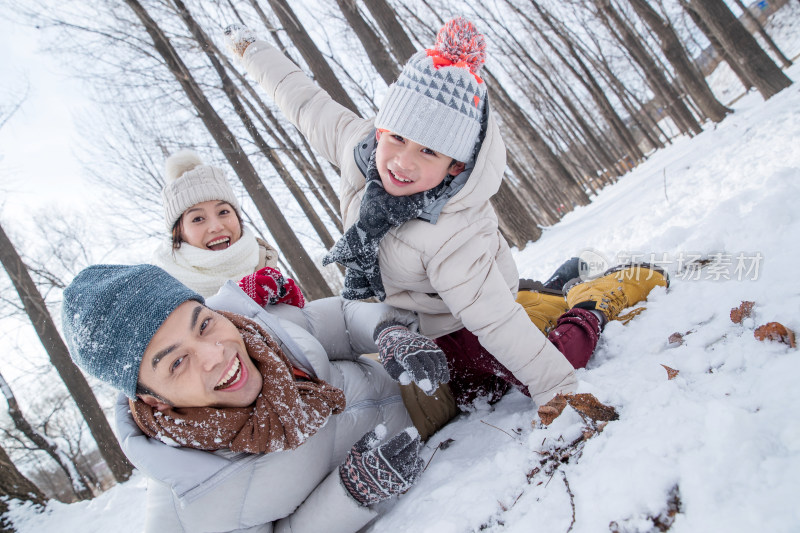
(618,288)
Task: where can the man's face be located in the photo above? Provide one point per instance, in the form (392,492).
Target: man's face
(197,358)
(406,167)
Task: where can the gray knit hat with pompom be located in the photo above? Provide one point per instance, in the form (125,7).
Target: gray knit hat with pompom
(438,99)
(190,182)
(110,313)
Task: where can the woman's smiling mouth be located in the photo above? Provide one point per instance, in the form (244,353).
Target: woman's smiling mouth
(219,244)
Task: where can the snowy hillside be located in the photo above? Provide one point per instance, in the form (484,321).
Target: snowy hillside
(717,448)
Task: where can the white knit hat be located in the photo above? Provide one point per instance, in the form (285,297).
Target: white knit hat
(190,182)
(438,99)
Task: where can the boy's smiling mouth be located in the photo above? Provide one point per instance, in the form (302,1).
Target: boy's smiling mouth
(219,244)
(399,178)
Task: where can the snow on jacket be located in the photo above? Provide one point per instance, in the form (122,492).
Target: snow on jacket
(458,272)
(297,491)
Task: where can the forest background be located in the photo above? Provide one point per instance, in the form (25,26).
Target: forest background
(585,91)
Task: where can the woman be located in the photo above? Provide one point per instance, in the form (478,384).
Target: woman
(208,243)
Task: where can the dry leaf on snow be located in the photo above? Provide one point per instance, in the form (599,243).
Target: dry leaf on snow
(550,411)
(775,331)
(671,372)
(590,406)
(745,310)
(584,403)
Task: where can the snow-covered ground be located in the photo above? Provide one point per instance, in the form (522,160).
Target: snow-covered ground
(719,443)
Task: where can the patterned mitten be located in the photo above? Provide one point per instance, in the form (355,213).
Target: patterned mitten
(268,287)
(373,472)
(238,38)
(409,356)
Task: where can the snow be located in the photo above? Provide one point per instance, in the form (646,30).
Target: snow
(722,437)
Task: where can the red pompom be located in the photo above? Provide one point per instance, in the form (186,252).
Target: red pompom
(459,42)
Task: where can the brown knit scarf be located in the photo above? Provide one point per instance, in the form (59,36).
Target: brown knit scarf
(283,416)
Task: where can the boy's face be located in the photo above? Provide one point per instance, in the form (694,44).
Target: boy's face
(407,168)
(197,358)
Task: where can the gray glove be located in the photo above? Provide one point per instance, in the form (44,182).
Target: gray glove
(238,38)
(373,472)
(409,356)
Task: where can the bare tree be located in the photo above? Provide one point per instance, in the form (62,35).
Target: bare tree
(584,75)
(272,156)
(399,42)
(323,74)
(767,77)
(785,61)
(36,310)
(661,87)
(15,486)
(79,486)
(313,284)
(386,66)
(685,69)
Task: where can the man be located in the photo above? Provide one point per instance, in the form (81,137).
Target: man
(260,426)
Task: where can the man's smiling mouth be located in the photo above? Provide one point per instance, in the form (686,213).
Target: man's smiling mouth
(231,377)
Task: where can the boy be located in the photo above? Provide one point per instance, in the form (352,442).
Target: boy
(421,232)
(261,393)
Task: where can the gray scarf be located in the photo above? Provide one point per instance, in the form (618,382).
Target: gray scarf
(357,250)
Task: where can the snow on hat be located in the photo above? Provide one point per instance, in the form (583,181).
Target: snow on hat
(189,182)
(110,313)
(437,101)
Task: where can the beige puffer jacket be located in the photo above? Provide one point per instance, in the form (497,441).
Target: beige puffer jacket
(456,273)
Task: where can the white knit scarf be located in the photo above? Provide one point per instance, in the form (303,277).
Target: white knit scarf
(205,271)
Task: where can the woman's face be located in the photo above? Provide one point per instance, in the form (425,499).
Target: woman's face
(211,225)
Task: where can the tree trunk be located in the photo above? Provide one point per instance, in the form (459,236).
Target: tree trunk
(400,43)
(374,47)
(661,87)
(79,485)
(785,61)
(767,77)
(323,73)
(717,46)
(552,165)
(586,78)
(516,224)
(230,91)
(15,486)
(691,78)
(53,344)
(309,277)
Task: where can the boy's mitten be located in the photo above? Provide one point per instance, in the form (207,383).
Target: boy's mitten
(268,287)
(238,38)
(409,356)
(373,472)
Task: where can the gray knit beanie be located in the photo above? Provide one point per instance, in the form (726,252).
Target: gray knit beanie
(437,101)
(189,182)
(110,313)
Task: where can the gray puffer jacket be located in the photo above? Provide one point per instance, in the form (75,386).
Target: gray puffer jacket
(296,491)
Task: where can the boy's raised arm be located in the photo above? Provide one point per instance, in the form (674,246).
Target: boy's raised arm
(326,124)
